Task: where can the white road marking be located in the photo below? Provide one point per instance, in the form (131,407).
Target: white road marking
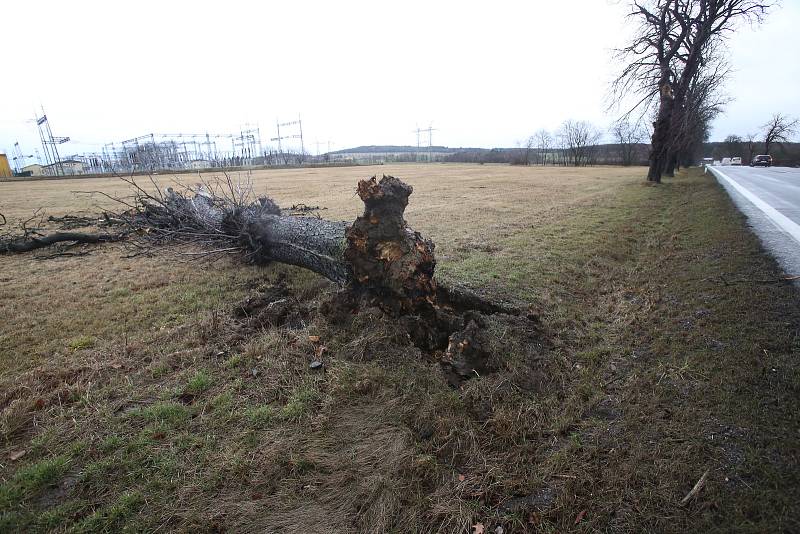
(782,221)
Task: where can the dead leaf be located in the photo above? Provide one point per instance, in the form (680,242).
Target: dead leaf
(16,455)
(39,404)
(313,339)
(478,528)
(461,478)
(321,350)
(580,516)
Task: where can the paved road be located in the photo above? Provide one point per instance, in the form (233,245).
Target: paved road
(770,198)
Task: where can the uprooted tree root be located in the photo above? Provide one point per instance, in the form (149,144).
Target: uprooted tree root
(465,343)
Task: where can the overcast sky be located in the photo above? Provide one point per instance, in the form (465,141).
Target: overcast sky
(482,73)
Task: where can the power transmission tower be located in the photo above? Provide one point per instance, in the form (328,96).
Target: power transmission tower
(50,143)
(279,138)
(249,142)
(430,131)
(418,131)
(19,158)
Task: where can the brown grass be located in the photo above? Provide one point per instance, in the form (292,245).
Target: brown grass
(141,403)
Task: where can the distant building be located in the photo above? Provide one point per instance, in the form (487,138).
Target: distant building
(35,169)
(199,164)
(5,168)
(71,167)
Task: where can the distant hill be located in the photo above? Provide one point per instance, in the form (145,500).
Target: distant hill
(395,149)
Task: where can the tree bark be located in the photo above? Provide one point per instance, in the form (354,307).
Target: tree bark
(314,244)
(672,160)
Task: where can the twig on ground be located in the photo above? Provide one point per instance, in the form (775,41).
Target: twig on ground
(696,489)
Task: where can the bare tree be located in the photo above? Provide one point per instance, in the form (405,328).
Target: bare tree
(672,44)
(627,135)
(579,140)
(733,145)
(751,144)
(525,147)
(779,129)
(691,123)
(544,142)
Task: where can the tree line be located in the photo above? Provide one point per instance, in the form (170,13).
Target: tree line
(576,143)
(775,133)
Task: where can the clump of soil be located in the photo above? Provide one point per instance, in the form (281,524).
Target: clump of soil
(274,305)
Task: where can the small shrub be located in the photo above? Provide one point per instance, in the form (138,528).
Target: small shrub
(199,383)
(110,518)
(30,479)
(82,342)
(299,403)
(170,413)
(234,361)
(261,415)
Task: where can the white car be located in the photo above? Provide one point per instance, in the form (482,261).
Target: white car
(736,161)
(726,162)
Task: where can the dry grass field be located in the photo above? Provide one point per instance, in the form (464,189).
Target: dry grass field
(133,398)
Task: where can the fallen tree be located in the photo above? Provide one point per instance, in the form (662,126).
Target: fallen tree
(376,258)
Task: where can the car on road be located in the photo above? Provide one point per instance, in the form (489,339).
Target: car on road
(736,161)
(726,162)
(763,160)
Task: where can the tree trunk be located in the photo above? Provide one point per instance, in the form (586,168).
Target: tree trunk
(672,160)
(377,254)
(314,244)
(661,132)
